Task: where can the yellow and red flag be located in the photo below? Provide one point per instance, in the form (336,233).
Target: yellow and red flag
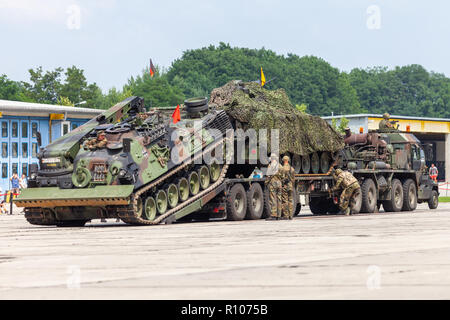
(263,78)
(176,116)
(152,69)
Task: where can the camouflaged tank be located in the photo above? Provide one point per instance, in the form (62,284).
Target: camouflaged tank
(130,164)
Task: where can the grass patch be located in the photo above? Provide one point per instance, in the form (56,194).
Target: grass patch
(444,199)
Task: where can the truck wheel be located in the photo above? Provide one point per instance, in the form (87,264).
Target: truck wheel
(434,200)
(266,212)
(409,195)
(297,163)
(324,162)
(356,202)
(315,163)
(318,206)
(369,196)
(236,203)
(306,164)
(255,202)
(396,202)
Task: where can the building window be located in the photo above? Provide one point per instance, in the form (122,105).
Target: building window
(25,150)
(4,129)
(34,129)
(14,168)
(34,148)
(4,170)
(15,152)
(15,130)
(24,129)
(25,169)
(65,128)
(4,149)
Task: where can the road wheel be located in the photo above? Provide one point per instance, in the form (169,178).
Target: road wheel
(205,178)
(356,202)
(150,209)
(433,202)
(183,189)
(161,201)
(306,164)
(297,163)
(369,196)
(172,195)
(315,163)
(214,171)
(236,203)
(255,202)
(396,202)
(409,195)
(194,183)
(324,162)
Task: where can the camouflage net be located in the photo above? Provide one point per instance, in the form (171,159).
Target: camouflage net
(255,107)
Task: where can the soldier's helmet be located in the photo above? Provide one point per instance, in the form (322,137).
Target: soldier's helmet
(273,156)
(100,133)
(386,116)
(337,171)
(286,158)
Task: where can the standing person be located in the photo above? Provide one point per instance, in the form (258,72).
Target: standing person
(433,172)
(288,180)
(15,185)
(23,182)
(273,184)
(350,186)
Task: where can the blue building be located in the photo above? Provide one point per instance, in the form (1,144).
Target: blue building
(19,124)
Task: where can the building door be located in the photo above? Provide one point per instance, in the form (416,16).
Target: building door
(5,152)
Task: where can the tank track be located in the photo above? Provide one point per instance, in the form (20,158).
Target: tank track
(128,214)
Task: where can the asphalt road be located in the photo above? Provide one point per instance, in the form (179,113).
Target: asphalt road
(379,256)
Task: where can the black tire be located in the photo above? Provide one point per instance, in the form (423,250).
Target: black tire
(306,164)
(396,202)
(433,202)
(236,203)
(197,109)
(255,202)
(315,162)
(318,206)
(195,102)
(71,223)
(369,196)
(409,195)
(356,202)
(266,212)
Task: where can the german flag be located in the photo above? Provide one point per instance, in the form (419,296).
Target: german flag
(152,69)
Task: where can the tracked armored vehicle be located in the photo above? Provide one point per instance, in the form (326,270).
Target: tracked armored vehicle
(142,174)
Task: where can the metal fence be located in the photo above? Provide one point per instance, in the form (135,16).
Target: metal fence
(444,189)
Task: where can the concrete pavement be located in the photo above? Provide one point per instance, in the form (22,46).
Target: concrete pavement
(379,256)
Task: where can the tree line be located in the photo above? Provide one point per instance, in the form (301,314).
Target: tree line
(309,81)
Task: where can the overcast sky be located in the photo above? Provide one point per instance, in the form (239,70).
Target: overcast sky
(112,39)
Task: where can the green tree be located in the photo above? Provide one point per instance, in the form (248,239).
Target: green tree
(11,90)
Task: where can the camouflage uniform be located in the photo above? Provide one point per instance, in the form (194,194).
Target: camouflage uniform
(385,124)
(349,184)
(288,179)
(273,184)
(96,143)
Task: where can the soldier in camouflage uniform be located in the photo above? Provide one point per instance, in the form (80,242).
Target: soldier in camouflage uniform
(273,184)
(350,186)
(96,143)
(288,180)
